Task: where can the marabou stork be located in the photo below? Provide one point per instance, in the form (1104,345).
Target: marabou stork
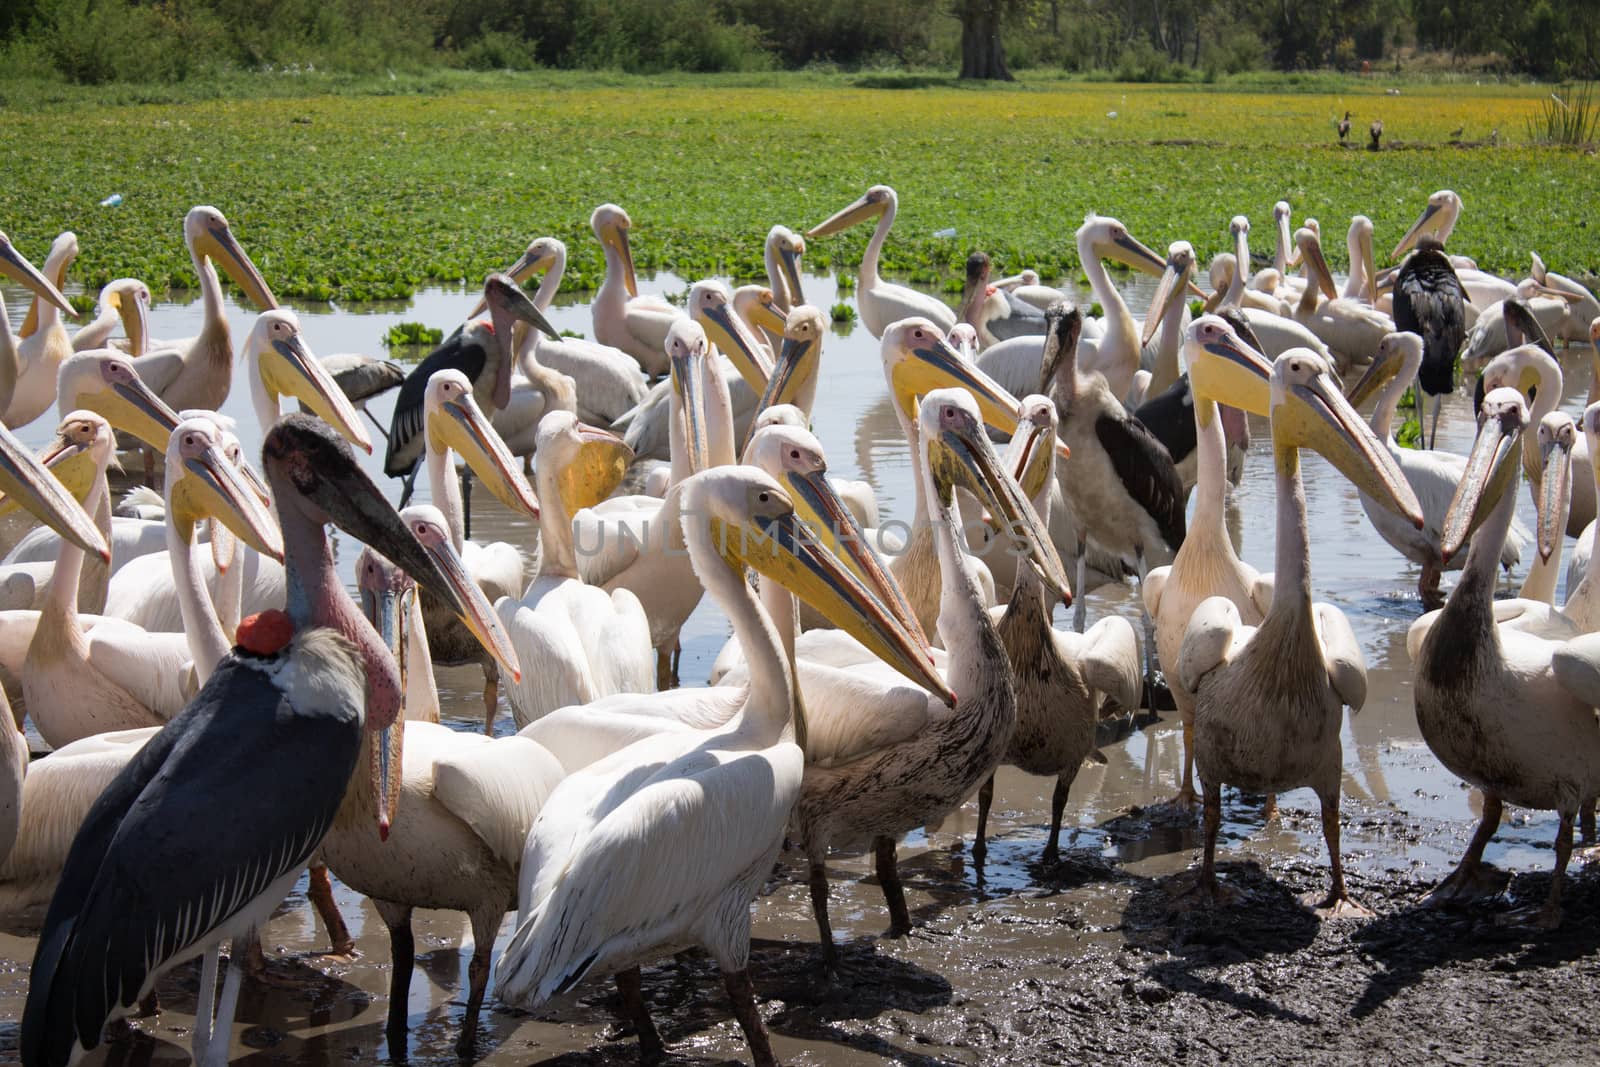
(1429,302)
(362,378)
(162,871)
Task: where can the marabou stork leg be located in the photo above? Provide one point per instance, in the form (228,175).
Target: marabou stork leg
(819,909)
(374,420)
(635,1016)
(484,926)
(205,1002)
(466,502)
(743,994)
(980,846)
(402,962)
(221,1037)
(1149,634)
(894,894)
(409,485)
(319,887)
(1058,804)
(1433,429)
(1080,607)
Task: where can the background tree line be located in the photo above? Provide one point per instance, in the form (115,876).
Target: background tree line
(170,40)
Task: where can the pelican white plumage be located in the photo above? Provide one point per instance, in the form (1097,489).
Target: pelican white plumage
(1351,330)
(1535,373)
(1264,313)
(588,642)
(1509,712)
(1433,475)
(124,302)
(15,265)
(622,318)
(781,252)
(1583,309)
(665,843)
(1269,700)
(44,344)
(881,302)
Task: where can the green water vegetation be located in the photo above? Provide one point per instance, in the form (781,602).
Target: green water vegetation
(358,195)
(842,312)
(411,333)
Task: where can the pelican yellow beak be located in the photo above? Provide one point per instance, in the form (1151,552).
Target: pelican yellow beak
(70,463)
(1424,224)
(1381,371)
(831,523)
(1318,264)
(688,381)
(1555,460)
(1174,277)
(797,365)
(464,429)
(863,209)
(957,457)
(789,265)
(1491,473)
(528,264)
(209,485)
(135,318)
(732,337)
(289,369)
(779,548)
(217,244)
(1031,460)
(617,238)
(1369,263)
(1226,370)
(131,407)
(1559,294)
(1241,246)
(1291,251)
(472,607)
(25,480)
(14,265)
(1131,252)
(764,313)
(1316,415)
(595,471)
(258,485)
(935,365)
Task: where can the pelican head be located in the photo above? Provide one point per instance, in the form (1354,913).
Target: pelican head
(509,305)
(1239,230)
(452,420)
(785,247)
(1398,355)
(542,255)
(1527,369)
(82,451)
(1310,245)
(207,234)
(1105,238)
(757,305)
(711,305)
(744,516)
(589,462)
(129,298)
(778,415)
(1491,468)
(794,457)
(14,265)
(1030,457)
(203,482)
(1309,411)
(794,376)
(964,339)
(917,360)
(1438,218)
(1176,276)
(103,381)
(1225,369)
(959,454)
(687,351)
(1558,435)
(611,225)
(287,368)
(428,525)
(386,593)
(874,202)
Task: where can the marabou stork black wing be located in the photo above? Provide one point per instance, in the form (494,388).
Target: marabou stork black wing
(1169,416)
(405,430)
(1428,301)
(1145,468)
(232,795)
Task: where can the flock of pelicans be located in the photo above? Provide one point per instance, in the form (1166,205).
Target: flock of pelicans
(222,714)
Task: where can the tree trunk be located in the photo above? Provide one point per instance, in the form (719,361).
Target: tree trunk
(982,55)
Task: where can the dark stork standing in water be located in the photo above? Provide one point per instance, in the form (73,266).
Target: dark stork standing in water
(1121,481)
(480,350)
(1344,128)
(990,309)
(363,378)
(203,833)
(1429,302)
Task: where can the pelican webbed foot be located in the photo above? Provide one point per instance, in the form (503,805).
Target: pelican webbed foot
(1335,906)
(1473,879)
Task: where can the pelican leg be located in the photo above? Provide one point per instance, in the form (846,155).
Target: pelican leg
(677,660)
(484,927)
(1586,815)
(1269,810)
(1187,797)
(1473,878)
(819,909)
(635,1016)
(1428,587)
(491,695)
(1149,635)
(402,962)
(319,887)
(980,847)
(663,670)
(743,994)
(205,1002)
(1337,904)
(1080,606)
(1058,804)
(1211,822)
(221,1038)
(894,894)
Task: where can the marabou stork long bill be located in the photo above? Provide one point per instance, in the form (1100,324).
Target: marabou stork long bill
(202,834)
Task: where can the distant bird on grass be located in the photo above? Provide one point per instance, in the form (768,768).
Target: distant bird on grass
(1455,134)
(1344,128)
(1375,131)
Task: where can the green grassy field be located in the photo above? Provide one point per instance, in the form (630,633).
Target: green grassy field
(365,193)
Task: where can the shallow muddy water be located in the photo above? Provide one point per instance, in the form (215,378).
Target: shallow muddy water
(1026,964)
